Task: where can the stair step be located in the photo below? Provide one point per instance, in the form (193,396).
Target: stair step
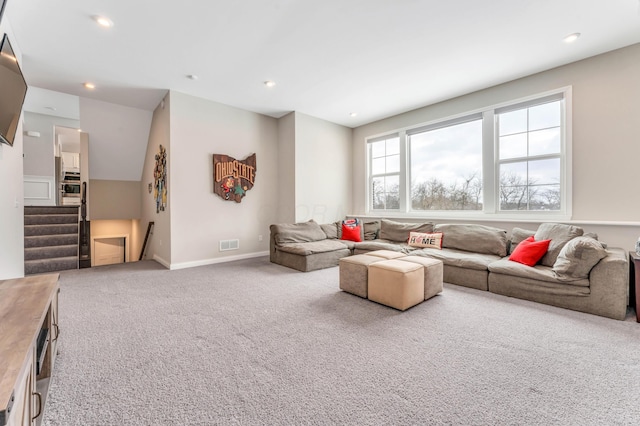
(50,240)
(56,229)
(50,219)
(50,265)
(48,252)
(70,210)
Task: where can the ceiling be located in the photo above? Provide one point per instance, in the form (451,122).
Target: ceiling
(328,58)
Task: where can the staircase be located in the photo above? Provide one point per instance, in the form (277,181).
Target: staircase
(50,239)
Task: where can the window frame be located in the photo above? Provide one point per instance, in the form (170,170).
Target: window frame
(490,163)
(371,177)
(462,119)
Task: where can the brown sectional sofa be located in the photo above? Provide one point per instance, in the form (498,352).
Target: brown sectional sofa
(476,256)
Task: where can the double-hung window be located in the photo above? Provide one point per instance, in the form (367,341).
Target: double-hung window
(384,176)
(503,160)
(530,155)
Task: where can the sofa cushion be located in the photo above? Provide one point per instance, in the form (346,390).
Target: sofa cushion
(313,247)
(578,256)
(383,245)
(459,258)
(529,251)
(559,234)
(518,235)
(351,230)
(298,232)
(396,231)
(474,238)
(371,230)
(420,239)
(330,230)
(538,272)
(339,227)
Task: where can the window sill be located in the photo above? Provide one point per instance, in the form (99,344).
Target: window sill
(489,218)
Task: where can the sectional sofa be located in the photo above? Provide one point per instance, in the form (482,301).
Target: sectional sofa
(577,272)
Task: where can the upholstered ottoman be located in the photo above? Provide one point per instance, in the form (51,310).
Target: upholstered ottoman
(433,272)
(386,254)
(396,283)
(354,273)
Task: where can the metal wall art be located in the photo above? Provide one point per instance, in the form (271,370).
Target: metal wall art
(233,178)
(160,176)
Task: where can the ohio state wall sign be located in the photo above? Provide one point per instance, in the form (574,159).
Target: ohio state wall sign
(233,178)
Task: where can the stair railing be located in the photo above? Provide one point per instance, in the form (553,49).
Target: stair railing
(84,243)
(146,238)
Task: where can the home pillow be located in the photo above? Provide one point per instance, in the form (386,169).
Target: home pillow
(529,251)
(559,234)
(351,230)
(303,232)
(396,231)
(418,239)
(474,238)
(578,256)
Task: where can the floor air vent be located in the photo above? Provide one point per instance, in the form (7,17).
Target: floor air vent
(229,245)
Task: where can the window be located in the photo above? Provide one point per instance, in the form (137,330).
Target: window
(508,159)
(530,148)
(385,173)
(446,166)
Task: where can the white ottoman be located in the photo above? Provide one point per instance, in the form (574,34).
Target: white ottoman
(354,275)
(386,254)
(433,273)
(397,284)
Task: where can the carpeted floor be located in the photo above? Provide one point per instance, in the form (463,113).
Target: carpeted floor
(253,343)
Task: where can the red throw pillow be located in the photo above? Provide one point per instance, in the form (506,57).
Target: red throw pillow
(529,252)
(351,230)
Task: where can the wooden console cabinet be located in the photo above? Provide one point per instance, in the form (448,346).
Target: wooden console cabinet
(28,338)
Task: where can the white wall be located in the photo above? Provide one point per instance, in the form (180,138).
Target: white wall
(11,190)
(118,136)
(286,211)
(159,244)
(39,151)
(200,218)
(323,153)
(606,148)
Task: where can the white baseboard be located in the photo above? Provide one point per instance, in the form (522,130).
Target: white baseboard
(212,261)
(161,261)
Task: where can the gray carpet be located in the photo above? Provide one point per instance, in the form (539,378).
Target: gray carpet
(250,343)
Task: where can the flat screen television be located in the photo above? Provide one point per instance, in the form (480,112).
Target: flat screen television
(13,89)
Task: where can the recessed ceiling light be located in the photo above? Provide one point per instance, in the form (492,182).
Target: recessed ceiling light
(79,130)
(89,85)
(353,114)
(103,21)
(192,77)
(571,38)
(269,83)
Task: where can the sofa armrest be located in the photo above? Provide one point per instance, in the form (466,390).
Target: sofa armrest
(272,243)
(609,279)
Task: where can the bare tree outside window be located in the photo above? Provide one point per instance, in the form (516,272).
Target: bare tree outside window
(433,194)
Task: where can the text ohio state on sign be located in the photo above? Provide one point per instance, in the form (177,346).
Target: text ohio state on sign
(233,178)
